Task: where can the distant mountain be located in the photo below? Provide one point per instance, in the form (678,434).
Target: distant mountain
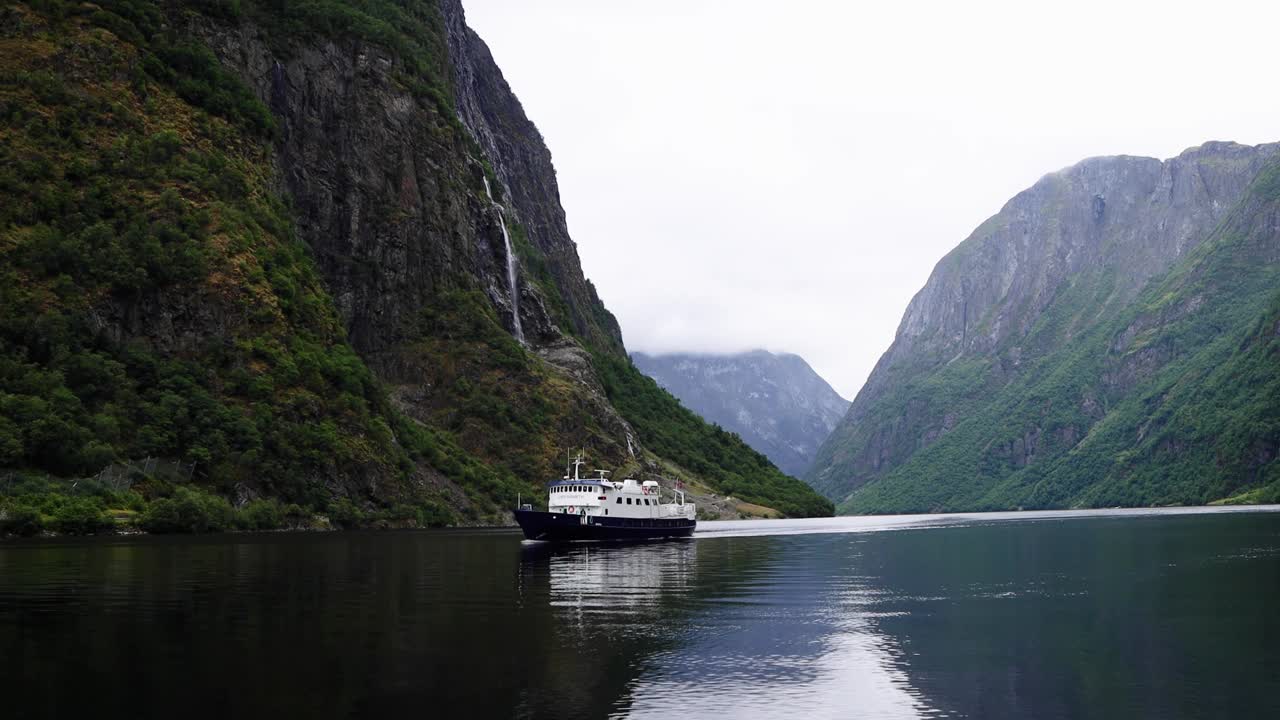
(1110,337)
(777,403)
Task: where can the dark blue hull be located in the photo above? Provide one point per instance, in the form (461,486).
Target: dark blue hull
(562,526)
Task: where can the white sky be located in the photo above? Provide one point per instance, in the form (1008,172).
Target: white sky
(785,175)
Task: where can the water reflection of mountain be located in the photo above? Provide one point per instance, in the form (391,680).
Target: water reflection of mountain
(1160,617)
(1124,617)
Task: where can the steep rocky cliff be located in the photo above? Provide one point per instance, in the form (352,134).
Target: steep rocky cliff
(289,243)
(1076,349)
(776,402)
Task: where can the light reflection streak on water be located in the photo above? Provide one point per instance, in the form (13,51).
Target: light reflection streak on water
(882,523)
(793,635)
(783,638)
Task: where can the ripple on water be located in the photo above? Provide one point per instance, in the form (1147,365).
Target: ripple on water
(1020,615)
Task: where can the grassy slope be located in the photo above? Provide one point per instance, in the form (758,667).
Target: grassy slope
(1201,426)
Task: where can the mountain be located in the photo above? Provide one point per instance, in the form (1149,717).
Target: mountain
(1110,337)
(310,253)
(776,403)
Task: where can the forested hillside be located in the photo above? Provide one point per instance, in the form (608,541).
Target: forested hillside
(253,240)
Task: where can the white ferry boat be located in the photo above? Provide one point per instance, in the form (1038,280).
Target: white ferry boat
(600,509)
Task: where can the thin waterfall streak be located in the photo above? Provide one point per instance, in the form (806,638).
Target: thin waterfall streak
(512,286)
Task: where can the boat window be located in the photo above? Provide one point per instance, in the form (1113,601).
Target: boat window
(619,500)
(628,501)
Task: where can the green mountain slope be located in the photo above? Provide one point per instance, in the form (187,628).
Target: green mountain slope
(252,239)
(776,402)
(1123,390)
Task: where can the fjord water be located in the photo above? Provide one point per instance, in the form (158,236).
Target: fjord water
(1045,615)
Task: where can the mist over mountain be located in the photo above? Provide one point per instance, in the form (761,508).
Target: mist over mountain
(775,402)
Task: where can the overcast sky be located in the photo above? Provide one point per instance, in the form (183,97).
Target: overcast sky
(785,175)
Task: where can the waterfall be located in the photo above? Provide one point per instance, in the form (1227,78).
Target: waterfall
(511,266)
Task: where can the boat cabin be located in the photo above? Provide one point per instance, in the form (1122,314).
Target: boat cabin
(600,496)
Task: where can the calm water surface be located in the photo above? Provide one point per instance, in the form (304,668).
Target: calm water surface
(1138,614)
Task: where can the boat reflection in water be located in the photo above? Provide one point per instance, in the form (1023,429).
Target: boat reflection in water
(1161,614)
(725,627)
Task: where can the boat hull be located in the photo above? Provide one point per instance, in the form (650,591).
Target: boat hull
(560,527)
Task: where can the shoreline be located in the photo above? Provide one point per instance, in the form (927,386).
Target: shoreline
(714,528)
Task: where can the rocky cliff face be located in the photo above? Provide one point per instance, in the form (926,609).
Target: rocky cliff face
(777,403)
(1021,346)
(293,265)
(390,193)
(520,160)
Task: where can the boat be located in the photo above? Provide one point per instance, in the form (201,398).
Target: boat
(602,509)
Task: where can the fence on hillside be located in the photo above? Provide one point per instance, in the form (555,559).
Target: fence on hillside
(122,475)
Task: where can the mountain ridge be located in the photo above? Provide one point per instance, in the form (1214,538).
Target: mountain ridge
(775,401)
(989,367)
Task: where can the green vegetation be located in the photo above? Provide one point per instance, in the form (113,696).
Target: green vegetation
(156,302)
(1167,400)
(412,30)
(116,208)
(138,215)
(719,458)
(33,505)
